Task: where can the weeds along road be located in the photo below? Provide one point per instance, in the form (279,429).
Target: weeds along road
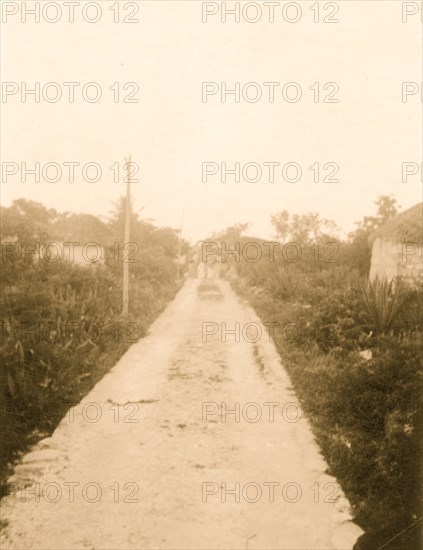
(148,460)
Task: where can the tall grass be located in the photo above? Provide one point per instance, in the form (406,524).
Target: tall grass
(365,413)
(61,330)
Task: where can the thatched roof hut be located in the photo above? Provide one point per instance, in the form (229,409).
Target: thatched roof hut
(397,247)
(406,226)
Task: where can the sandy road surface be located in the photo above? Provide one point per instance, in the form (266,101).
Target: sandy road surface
(149,472)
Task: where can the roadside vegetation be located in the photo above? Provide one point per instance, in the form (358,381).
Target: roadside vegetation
(61,322)
(353,347)
(354,352)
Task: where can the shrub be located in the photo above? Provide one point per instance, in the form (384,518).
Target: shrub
(383,301)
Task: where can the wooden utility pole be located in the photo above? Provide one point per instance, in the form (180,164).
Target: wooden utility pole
(179,246)
(125,285)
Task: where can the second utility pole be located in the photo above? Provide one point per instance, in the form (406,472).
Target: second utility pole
(179,246)
(125,285)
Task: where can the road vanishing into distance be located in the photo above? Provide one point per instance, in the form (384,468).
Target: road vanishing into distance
(189,442)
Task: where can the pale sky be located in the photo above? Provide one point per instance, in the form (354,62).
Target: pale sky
(369,133)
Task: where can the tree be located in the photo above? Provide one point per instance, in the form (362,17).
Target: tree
(280,222)
(83,228)
(304,229)
(386,209)
(29,221)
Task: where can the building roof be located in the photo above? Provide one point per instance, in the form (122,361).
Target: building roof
(406,226)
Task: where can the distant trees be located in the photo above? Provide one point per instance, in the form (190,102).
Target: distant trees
(152,250)
(30,221)
(27,221)
(304,229)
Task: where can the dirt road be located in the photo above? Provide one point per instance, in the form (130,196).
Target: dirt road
(149,459)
